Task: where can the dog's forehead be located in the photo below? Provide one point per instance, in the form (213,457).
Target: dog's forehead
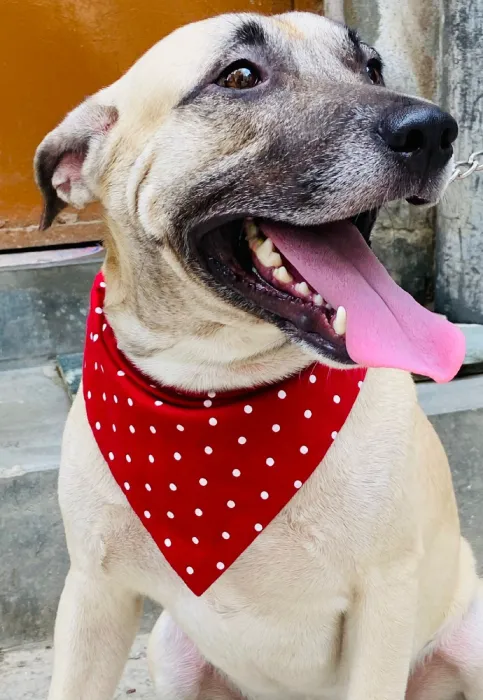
(316,42)
(175,64)
(202,42)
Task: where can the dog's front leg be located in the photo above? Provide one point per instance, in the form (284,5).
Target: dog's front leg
(380,635)
(95,627)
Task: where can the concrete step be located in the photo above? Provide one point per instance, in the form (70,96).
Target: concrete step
(25,673)
(33,408)
(43,302)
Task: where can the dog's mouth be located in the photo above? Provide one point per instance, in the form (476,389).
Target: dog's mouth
(325,288)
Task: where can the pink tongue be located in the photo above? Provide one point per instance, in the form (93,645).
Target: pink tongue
(385,326)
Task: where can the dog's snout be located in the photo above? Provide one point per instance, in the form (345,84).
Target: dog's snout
(424,134)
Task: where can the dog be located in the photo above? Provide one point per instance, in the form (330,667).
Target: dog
(233,145)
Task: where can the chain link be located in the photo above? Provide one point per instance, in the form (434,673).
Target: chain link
(465,168)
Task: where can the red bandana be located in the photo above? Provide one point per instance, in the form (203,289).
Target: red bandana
(206,474)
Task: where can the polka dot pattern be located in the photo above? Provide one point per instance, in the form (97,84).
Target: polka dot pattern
(206,474)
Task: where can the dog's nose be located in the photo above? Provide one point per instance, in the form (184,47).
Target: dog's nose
(424,134)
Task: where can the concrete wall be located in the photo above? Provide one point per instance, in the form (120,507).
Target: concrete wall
(459,250)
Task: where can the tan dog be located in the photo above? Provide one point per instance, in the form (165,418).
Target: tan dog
(281,118)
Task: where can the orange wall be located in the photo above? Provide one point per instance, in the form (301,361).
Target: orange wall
(53,53)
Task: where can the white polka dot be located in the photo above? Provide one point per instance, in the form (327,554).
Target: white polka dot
(304,449)
(276,428)
(147,487)
(337,398)
(242,440)
(173,487)
(264,495)
(258,527)
(95,365)
(359,384)
(89,395)
(180,428)
(104,326)
(195,540)
(152,429)
(95,337)
(212,421)
(90,336)
(167,542)
(104,397)
(158,403)
(127,485)
(102,368)
(190,570)
(120,373)
(151,458)
(198,512)
(231,504)
(203,482)
(225,535)
(236,472)
(102,284)
(220,566)
(114,428)
(98,310)
(297,484)
(207,403)
(132,429)
(128,458)
(170,514)
(147,514)
(177,456)
(248,409)
(270,462)
(115,398)
(211,394)
(208,450)
(312,379)
(308,414)
(98,426)
(333,434)
(111,456)
(282,394)
(130,402)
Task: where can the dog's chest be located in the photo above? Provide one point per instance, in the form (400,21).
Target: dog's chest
(276,620)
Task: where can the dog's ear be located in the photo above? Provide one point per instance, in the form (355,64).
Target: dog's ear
(67,162)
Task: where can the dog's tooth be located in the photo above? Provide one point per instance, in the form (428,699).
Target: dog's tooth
(318,301)
(303,289)
(251,229)
(267,255)
(340,321)
(268,245)
(255,243)
(283,275)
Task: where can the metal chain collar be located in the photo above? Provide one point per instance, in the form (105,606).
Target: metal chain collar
(465,168)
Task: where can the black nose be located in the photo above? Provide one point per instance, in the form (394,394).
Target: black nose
(424,134)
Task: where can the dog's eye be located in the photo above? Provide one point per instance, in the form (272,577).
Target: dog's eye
(374,71)
(241,75)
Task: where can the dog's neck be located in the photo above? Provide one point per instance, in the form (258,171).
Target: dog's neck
(183,337)
(199,364)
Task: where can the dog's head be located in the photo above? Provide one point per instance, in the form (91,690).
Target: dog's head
(241,163)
